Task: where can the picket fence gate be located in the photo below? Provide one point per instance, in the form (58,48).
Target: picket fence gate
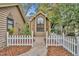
(19,40)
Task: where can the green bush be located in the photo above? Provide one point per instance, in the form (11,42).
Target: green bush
(26,30)
(10,31)
(56,31)
(71,34)
(53,30)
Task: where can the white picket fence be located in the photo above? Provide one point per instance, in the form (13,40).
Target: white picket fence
(54,40)
(19,40)
(69,43)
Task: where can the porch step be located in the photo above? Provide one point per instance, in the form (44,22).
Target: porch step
(40,34)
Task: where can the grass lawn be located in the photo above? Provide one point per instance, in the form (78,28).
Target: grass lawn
(14,50)
(58,51)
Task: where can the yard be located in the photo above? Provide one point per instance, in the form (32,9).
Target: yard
(14,50)
(57,51)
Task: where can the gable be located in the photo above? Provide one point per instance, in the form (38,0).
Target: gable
(19,7)
(39,14)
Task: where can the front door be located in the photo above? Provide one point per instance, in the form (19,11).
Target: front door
(40,26)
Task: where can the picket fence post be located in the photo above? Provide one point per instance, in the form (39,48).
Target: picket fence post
(46,39)
(63,40)
(77,45)
(32,38)
(7,38)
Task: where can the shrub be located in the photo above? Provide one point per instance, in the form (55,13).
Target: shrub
(26,30)
(56,31)
(10,31)
(71,34)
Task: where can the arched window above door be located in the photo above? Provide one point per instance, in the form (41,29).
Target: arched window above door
(40,20)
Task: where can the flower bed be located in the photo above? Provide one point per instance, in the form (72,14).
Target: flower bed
(14,50)
(57,51)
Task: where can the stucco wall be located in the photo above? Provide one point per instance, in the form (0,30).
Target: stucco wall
(3,23)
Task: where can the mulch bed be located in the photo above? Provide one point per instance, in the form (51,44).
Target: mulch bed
(58,51)
(14,50)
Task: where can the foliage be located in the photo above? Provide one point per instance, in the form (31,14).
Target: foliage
(26,30)
(11,31)
(71,34)
(65,16)
(69,16)
(26,7)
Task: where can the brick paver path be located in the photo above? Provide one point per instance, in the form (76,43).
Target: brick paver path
(39,48)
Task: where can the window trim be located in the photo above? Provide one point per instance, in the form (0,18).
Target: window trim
(9,19)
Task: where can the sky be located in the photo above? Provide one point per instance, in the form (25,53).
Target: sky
(32,10)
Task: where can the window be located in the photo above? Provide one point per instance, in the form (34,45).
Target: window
(40,20)
(40,24)
(10,23)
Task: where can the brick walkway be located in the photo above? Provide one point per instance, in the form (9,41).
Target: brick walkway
(39,48)
(14,50)
(58,51)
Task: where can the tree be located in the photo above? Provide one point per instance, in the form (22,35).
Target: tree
(69,16)
(26,7)
(66,16)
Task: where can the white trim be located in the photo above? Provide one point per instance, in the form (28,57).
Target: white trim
(44,24)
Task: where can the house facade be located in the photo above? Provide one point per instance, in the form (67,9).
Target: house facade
(39,24)
(11,17)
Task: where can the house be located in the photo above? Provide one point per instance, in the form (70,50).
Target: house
(39,24)
(11,18)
